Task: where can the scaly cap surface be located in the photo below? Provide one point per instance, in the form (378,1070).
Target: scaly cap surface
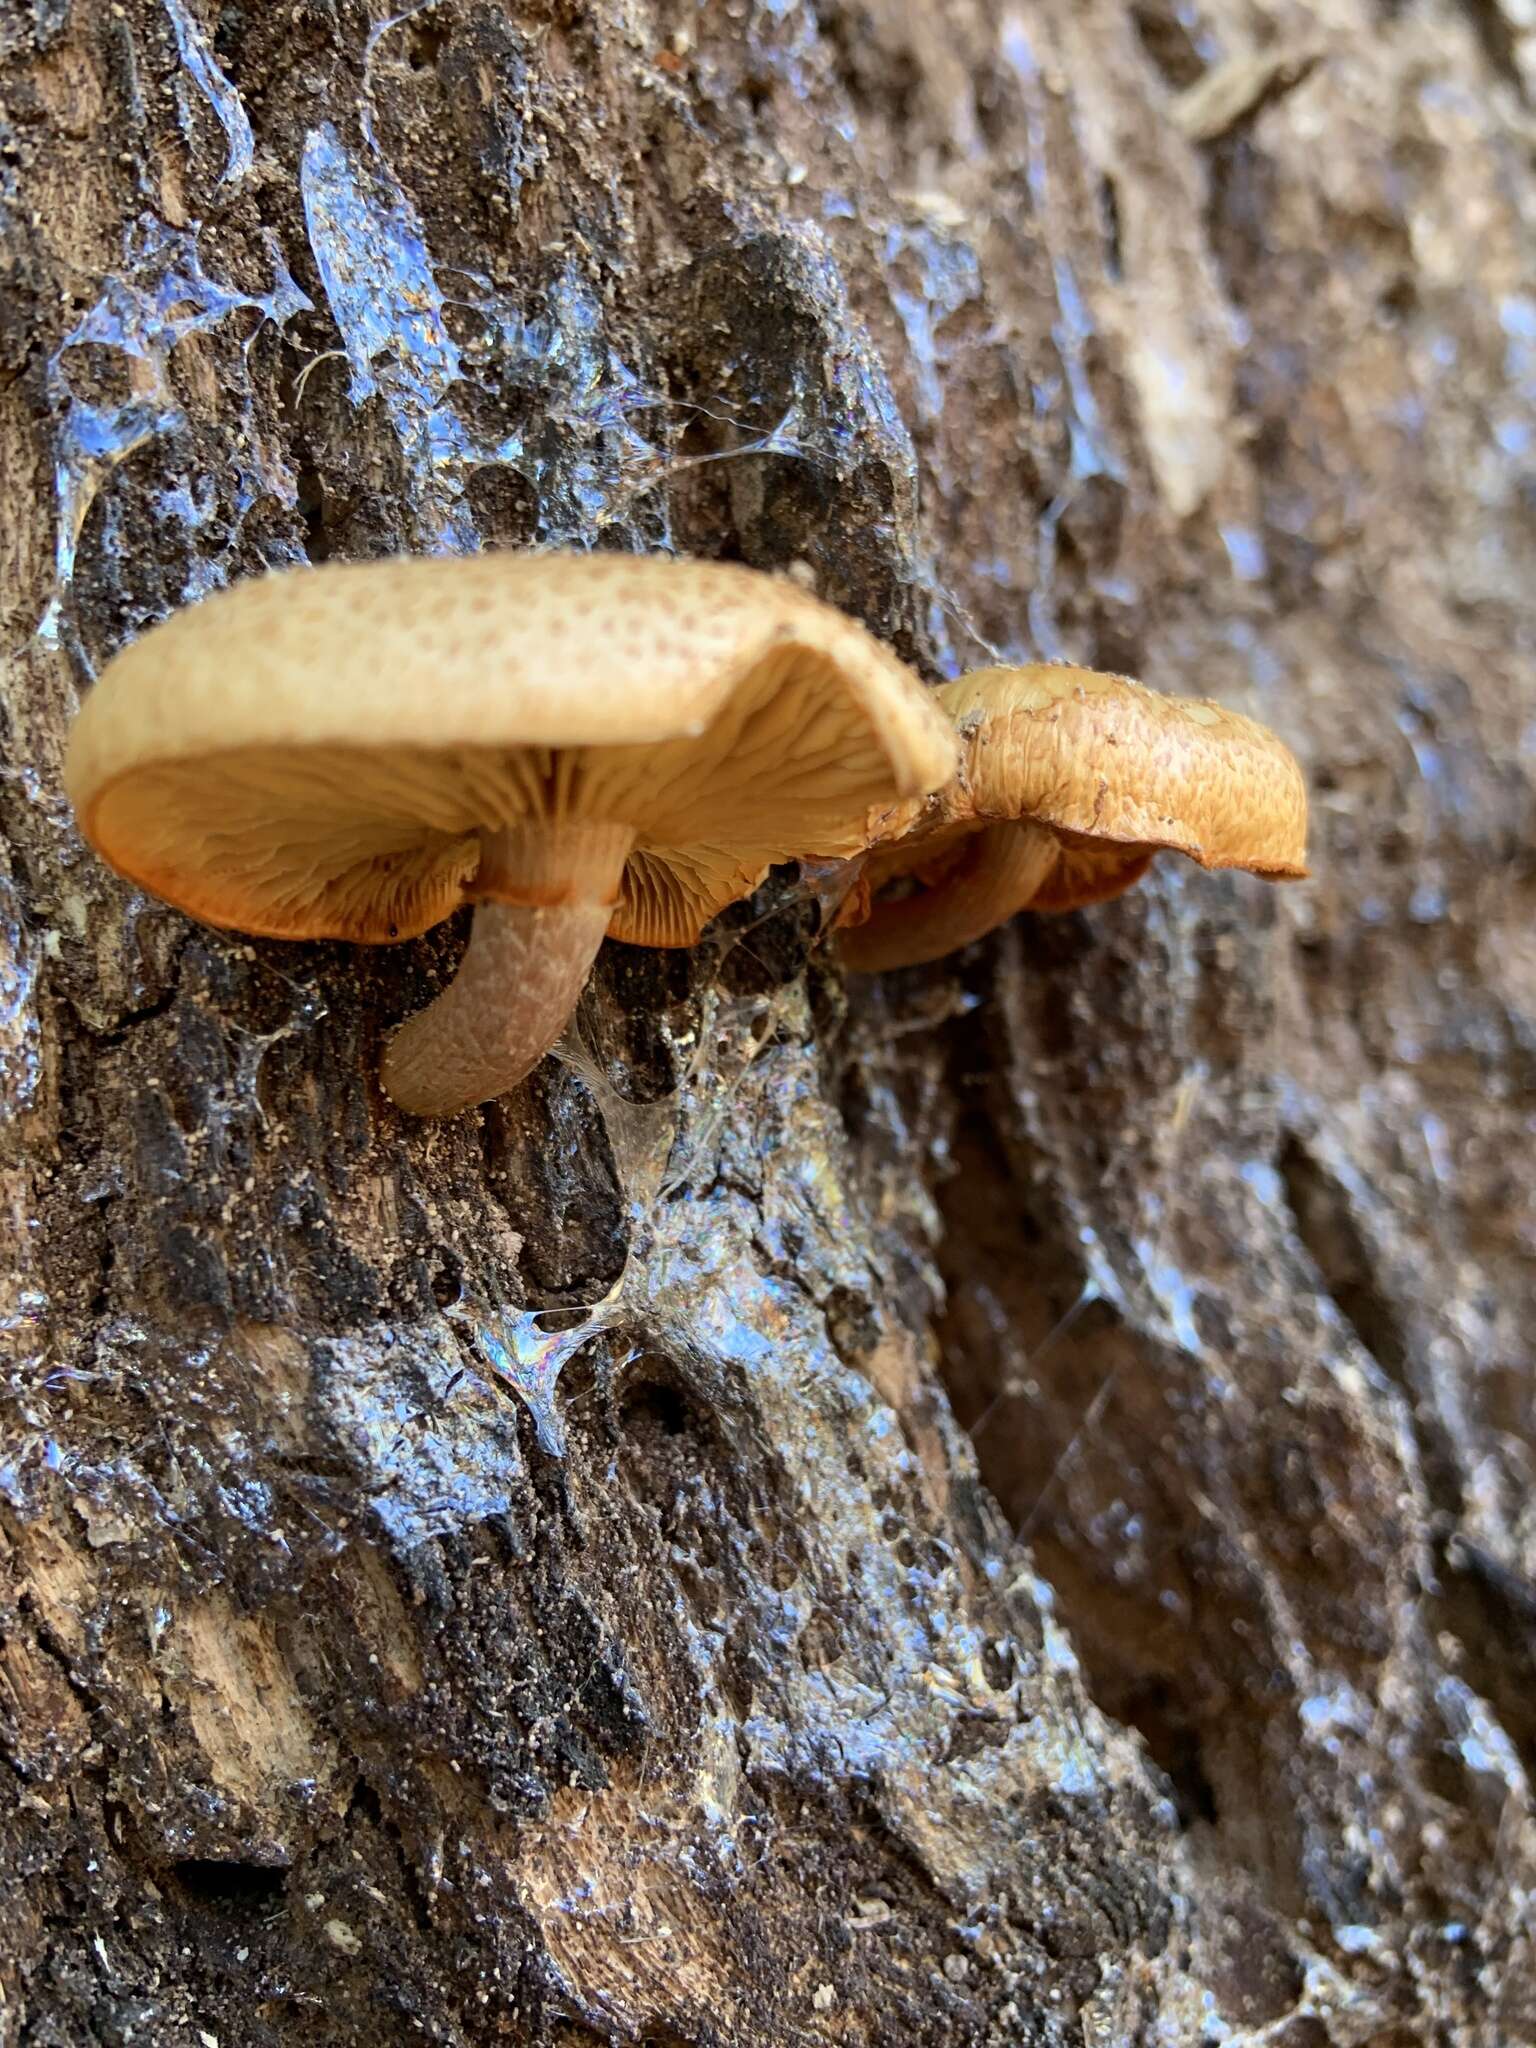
(315,754)
(1106,758)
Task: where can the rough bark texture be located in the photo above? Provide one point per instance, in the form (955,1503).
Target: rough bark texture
(1032,1538)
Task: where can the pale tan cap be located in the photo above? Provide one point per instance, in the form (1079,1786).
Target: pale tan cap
(315,754)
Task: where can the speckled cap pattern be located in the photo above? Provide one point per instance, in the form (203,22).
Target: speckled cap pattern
(315,754)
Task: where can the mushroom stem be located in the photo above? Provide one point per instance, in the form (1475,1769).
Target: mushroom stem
(1001,870)
(521,976)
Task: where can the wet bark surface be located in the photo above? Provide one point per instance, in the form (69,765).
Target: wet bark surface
(990,1505)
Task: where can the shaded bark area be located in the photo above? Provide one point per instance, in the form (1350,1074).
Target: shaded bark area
(990,1505)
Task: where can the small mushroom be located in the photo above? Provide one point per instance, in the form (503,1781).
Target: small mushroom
(581,745)
(1069,783)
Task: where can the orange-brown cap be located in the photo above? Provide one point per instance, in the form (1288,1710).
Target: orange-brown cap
(1103,774)
(318,754)
(1107,759)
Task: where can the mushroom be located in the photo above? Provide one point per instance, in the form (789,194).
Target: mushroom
(581,745)
(1070,782)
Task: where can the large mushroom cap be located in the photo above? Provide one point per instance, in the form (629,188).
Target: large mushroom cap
(1103,761)
(317,754)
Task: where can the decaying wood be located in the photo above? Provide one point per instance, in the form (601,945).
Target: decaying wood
(1020,1529)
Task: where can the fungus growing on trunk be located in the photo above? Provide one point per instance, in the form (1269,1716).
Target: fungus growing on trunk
(1069,783)
(580,745)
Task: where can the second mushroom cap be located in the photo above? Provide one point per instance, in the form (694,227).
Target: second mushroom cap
(1070,782)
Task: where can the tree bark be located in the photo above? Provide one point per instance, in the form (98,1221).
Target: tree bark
(991,1504)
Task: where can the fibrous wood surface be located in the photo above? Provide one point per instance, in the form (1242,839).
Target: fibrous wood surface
(992,1505)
